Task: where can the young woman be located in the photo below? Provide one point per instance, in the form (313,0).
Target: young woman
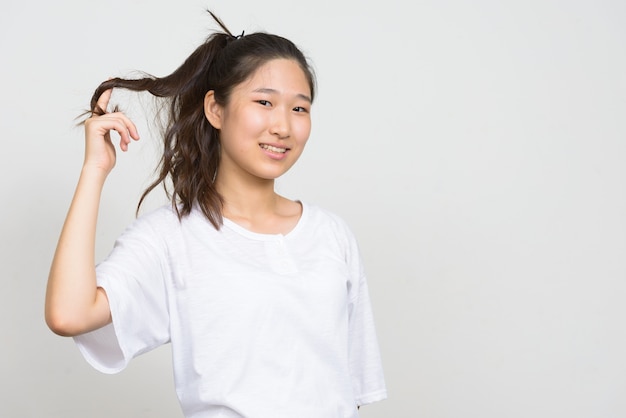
(263,299)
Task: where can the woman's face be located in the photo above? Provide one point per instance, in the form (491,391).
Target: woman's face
(266,123)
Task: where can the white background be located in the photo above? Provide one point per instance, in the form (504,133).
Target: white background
(477,149)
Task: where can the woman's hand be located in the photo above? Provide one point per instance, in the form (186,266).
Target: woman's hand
(99,149)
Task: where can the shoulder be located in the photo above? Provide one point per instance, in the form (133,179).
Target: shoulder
(332,232)
(161,217)
(319,215)
(322,219)
(153,225)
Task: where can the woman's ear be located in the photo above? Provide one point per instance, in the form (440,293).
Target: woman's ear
(212,110)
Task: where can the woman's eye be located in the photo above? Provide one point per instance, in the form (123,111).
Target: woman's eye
(300,109)
(264,102)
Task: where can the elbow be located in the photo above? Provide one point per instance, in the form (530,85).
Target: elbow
(59,327)
(70,321)
(62,324)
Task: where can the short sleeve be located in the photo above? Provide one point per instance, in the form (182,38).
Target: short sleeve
(366,368)
(134,277)
(365,363)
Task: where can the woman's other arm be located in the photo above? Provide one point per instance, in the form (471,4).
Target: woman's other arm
(74,302)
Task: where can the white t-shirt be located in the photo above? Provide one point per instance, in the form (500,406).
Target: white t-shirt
(261,325)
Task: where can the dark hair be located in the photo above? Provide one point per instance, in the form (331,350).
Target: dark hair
(191,152)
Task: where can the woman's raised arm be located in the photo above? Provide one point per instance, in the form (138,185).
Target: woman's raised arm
(74,303)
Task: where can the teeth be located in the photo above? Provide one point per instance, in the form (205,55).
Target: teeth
(273,149)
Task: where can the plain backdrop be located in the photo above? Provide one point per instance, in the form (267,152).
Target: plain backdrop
(476,148)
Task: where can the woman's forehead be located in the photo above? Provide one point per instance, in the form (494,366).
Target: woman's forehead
(278,75)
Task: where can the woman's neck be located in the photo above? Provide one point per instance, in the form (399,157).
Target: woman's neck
(256,206)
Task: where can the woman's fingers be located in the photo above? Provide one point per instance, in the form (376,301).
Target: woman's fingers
(103,100)
(125,127)
(118,122)
(121,124)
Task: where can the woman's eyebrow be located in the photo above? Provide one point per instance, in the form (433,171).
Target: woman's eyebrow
(268,90)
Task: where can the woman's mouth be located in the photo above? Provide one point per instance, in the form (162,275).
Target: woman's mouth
(273,148)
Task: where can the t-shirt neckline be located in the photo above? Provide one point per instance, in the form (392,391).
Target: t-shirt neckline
(268,237)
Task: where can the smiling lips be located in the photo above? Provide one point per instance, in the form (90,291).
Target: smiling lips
(272,148)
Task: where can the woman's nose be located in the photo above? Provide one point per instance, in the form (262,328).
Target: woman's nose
(280,124)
